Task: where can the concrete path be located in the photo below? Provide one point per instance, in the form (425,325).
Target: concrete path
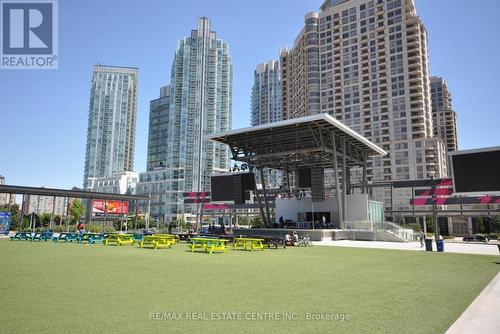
(450,247)
(482,316)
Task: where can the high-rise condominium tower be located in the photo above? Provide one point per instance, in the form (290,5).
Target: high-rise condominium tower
(111,125)
(443,117)
(159,137)
(266,106)
(180,159)
(366,63)
(158,180)
(201,104)
(266,94)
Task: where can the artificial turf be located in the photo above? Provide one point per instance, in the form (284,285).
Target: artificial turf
(72,288)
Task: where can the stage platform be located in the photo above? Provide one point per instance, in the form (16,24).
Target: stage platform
(320,234)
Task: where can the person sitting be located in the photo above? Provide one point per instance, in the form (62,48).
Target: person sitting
(81,228)
(288,241)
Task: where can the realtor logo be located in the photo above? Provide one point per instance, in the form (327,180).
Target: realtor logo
(29,34)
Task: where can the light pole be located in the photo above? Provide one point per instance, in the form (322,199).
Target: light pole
(434,213)
(179,202)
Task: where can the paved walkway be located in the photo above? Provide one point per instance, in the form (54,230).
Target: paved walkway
(482,316)
(450,247)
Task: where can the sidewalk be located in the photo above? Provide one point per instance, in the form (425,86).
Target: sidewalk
(482,315)
(449,247)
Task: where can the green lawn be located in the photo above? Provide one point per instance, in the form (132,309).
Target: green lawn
(71,288)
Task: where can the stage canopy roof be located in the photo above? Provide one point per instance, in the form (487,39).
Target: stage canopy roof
(305,142)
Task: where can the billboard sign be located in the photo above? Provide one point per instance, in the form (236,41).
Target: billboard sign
(101,207)
(476,172)
(5,219)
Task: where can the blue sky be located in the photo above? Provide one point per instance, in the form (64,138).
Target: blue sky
(43,114)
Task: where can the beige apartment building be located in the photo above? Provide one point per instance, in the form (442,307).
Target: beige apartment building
(443,115)
(366,63)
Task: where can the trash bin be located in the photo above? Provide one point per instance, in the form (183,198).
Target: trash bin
(440,245)
(428,245)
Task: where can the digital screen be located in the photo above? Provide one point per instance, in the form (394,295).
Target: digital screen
(233,187)
(477,172)
(222,188)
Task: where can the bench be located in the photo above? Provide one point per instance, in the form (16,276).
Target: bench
(64,237)
(207,244)
(21,236)
(248,243)
(157,241)
(90,238)
(45,236)
(119,239)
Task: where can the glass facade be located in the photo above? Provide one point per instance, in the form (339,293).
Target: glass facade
(111,124)
(199,103)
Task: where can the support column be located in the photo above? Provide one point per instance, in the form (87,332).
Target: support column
(365,180)
(257,196)
(53,210)
(92,209)
(68,206)
(344,179)
(425,226)
(450,226)
(469,227)
(22,214)
(337,184)
(269,223)
(348,181)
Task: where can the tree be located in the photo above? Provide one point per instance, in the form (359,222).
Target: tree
(495,224)
(45,219)
(257,222)
(136,222)
(77,210)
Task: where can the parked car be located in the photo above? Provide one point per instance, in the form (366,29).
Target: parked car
(476,237)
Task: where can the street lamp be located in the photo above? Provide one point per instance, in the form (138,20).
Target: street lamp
(179,202)
(434,211)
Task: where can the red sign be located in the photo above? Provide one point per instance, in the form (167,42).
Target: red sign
(112,207)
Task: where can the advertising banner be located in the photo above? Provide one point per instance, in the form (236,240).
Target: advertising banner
(5,218)
(100,207)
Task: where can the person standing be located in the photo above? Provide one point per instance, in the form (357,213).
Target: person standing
(422,239)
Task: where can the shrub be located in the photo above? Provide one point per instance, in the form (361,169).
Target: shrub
(94,229)
(414,226)
(493,236)
(59,228)
(109,230)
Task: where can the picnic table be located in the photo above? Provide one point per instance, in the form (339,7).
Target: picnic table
(272,242)
(39,236)
(174,237)
(119,239)
(65,237)
(138,237)
(21,236)
(91,238)
(248,243)
(158,240)
(208,244)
